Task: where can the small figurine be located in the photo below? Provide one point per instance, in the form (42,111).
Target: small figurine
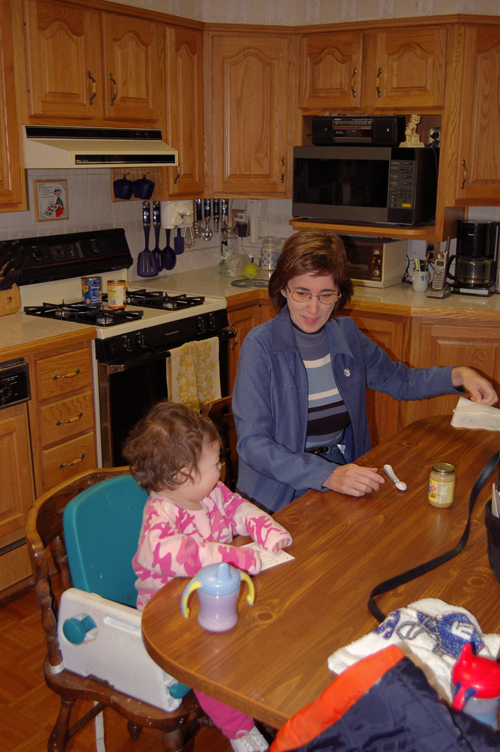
(412,137)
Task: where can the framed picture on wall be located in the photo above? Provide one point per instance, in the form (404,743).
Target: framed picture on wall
(51,200)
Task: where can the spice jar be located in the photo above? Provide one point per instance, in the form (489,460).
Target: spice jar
(441,484)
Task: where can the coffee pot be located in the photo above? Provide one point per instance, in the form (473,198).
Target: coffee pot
(218,587)
(476,257)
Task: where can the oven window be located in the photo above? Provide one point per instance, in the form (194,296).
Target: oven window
(341,182)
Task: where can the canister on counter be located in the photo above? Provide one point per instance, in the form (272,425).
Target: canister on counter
(441,484)
(116,293)
(92,291)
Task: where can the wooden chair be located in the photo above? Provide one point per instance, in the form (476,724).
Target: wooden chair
(220,412)
(45,529)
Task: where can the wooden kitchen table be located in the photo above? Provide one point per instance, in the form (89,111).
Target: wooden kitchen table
(274,661)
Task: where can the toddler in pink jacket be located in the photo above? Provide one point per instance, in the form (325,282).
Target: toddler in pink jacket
(189,521)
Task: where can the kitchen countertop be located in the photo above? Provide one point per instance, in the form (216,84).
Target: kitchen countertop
(22,335)
(401,297)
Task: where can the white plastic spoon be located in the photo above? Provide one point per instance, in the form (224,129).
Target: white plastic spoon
(392,475)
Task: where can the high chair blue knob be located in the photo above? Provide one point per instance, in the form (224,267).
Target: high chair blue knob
(75,630)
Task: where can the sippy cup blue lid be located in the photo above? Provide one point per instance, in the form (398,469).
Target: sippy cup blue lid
(219,579)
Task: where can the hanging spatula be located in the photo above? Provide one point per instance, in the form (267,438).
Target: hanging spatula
(146,261)
(178,243)
(157,227)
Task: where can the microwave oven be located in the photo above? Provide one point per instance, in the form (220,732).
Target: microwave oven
(375,262)
(374,185)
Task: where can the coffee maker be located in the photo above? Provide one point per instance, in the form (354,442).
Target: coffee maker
(476,258)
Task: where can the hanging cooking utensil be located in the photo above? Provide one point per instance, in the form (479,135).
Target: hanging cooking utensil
(169,257)
(197,228)
(123,188)
(146,262)
(207,211)
(158,254)
(189,237)
(224,224)
(216,210)
(178,243)
(143,188)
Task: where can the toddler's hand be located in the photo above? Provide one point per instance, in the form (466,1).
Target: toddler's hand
(282,543)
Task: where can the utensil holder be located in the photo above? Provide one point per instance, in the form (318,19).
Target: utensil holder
(493,539)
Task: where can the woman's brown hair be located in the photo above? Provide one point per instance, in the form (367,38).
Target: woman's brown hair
(171,437)
(311,252)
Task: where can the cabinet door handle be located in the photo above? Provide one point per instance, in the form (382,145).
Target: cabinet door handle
(282,180)
(235,341)
(70,375)
(74,462)
(75,419)
(178,175)
(377,82)
(352,82)
(464,165)
(91,100)
(112,100)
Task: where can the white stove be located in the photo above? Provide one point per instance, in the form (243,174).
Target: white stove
(130,356)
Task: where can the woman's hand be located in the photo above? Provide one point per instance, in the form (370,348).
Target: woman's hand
(354,480)
(479,388)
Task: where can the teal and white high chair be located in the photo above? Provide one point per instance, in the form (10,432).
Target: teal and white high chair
(95,648)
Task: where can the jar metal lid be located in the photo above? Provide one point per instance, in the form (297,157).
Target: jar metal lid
(443,467)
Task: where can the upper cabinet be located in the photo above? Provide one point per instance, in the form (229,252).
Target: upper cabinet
(477,100)
(185,119)
(248,130)
(330,70)
(390,69)
(92,67)
(12,184)
(405,69)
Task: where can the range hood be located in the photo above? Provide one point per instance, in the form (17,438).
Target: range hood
(65,148)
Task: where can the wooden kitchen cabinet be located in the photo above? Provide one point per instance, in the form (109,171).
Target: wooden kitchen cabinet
(474,123)
(330,70)
(389,69)
(17,493)
(405,69)
(458,340)
(243,316)
(388,332)
(185,111)
(248,131)
(62,414)
(88,67)
(12,182)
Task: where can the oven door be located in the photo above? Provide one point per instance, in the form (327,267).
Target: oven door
(128,390)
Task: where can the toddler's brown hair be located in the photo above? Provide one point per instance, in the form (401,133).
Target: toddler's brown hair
(169,438)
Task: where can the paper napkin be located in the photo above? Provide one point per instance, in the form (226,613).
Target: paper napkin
(469,414)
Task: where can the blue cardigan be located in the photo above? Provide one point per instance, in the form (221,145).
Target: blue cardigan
(270,404)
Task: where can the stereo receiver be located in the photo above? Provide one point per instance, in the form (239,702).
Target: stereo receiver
(358,129)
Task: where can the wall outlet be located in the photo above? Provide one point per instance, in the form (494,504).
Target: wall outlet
(433,132)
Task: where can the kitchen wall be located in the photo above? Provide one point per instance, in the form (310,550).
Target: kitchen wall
(300,12)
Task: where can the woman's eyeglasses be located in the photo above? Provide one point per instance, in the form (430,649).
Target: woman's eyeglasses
(301,296)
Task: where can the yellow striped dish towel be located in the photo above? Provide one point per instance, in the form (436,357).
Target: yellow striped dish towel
(193,376)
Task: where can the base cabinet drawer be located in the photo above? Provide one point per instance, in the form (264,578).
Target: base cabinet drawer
(61,374)
(65,418)
(65,460)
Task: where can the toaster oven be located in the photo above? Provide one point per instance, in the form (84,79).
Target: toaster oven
(375,262)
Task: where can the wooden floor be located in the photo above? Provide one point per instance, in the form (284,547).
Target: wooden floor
(28,709)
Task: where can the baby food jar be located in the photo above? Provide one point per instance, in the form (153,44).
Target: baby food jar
(441,484)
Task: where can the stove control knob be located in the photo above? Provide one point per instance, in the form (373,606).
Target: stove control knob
(201,324)
(212,321)
(141,340)
(127,344)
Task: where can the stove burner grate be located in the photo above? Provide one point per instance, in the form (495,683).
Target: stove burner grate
(83,314)
(162,300)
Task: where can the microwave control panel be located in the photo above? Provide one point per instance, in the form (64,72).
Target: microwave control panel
(402,184)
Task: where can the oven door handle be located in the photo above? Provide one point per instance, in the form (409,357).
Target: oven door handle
(109,368)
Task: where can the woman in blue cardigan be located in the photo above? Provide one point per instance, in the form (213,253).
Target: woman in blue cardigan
(299,398)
